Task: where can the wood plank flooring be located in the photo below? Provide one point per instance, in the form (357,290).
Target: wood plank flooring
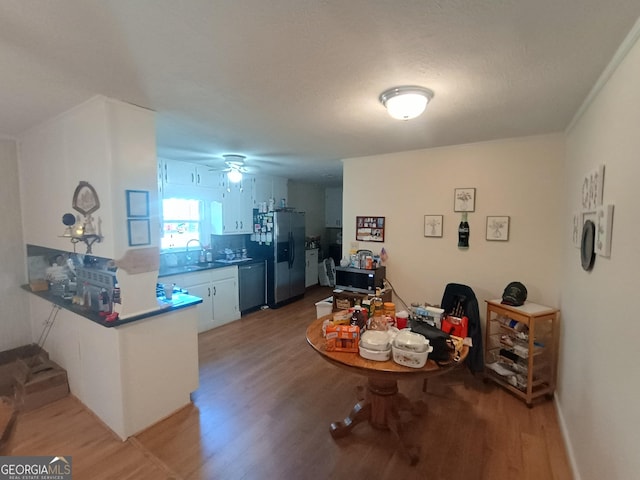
(263,410)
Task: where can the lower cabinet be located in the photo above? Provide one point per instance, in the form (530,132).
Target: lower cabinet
(205,315)
(226,303)
(218,289)
(311,267)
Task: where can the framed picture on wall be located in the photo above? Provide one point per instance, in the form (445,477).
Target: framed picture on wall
(139,232)
(433,225)
(137,203)
(498,228)
(370,229)
(464,200)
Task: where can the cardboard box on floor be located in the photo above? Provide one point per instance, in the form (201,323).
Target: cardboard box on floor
(27,375)
(8,414)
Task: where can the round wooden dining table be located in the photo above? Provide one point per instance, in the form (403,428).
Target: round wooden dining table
(382,404)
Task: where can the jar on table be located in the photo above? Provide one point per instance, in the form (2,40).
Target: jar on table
(390,312)
(358,318)
(376,308)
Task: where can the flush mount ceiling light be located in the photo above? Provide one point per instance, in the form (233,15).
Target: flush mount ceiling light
(235,165)
(405,103)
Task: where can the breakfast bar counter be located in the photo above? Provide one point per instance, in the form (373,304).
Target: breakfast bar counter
(131,376)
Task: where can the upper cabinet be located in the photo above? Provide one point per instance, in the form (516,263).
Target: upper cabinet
(266,187)
(333,207)
(232,209)
(188,174)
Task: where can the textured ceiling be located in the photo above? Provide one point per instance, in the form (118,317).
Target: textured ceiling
(294,84)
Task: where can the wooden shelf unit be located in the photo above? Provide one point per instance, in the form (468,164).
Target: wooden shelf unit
(537,332)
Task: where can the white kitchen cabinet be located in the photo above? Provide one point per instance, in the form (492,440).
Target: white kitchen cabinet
(224,289)
(188,174)
(205,316)
(198,284)
(232,210)
(206,177)
(311,267)
(160,178)
(178,173)
(218,289)
(280,190)
(333,207)
(266,187)
(262,190)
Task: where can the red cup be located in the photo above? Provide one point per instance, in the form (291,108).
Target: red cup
(401,322)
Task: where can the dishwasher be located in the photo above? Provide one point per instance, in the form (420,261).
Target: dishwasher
(252,280)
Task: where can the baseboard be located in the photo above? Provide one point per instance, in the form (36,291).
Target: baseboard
(567,442)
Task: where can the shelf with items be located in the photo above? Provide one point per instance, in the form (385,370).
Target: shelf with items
(521,348)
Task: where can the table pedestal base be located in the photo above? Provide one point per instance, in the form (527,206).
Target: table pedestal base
(382,407)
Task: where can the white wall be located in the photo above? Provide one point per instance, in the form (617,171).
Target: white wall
(309,198)
(111,145)
(14,324)
(520,178)
(54,157)
(599,386)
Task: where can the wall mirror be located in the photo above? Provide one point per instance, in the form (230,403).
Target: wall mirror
(85,199)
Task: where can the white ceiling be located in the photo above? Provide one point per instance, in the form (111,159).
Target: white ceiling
(294,84)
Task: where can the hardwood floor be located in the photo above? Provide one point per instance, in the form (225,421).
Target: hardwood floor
(263,410)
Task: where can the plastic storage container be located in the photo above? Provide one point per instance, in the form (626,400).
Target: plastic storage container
(376,340)
(377,355)
(324,307)
(410,349)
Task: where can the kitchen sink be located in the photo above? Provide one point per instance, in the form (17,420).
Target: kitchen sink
(199,266)
(236,260)
(188,268)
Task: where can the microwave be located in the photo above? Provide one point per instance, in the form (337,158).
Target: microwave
(360,279)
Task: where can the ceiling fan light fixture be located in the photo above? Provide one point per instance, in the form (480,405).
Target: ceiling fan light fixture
(407,102)
(234,175)
(235,163)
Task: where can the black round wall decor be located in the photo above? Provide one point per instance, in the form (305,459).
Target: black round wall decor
(587,254)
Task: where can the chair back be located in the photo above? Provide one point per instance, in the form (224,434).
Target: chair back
(459,300)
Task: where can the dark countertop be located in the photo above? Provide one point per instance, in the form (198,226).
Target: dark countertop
(199,267)
(178,301)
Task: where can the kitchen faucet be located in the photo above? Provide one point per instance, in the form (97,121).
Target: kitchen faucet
(192,240)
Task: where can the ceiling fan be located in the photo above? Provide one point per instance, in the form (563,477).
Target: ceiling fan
(235,167)
(268,163)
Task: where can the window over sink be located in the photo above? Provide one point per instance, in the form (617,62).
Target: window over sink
(181,222)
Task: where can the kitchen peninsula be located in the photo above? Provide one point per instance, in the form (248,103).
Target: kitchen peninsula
(132,375)
(98,160)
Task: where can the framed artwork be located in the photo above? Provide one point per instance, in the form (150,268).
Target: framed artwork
(85,199)
(433,225)
(464,200)
(139,232)
(498,228)
(592,187)
(577,229)
(604,227)
(137,203)
(370,229)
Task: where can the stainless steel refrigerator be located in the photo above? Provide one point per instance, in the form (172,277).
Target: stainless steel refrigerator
(287,269)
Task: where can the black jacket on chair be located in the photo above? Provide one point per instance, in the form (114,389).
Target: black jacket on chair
(455,293)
